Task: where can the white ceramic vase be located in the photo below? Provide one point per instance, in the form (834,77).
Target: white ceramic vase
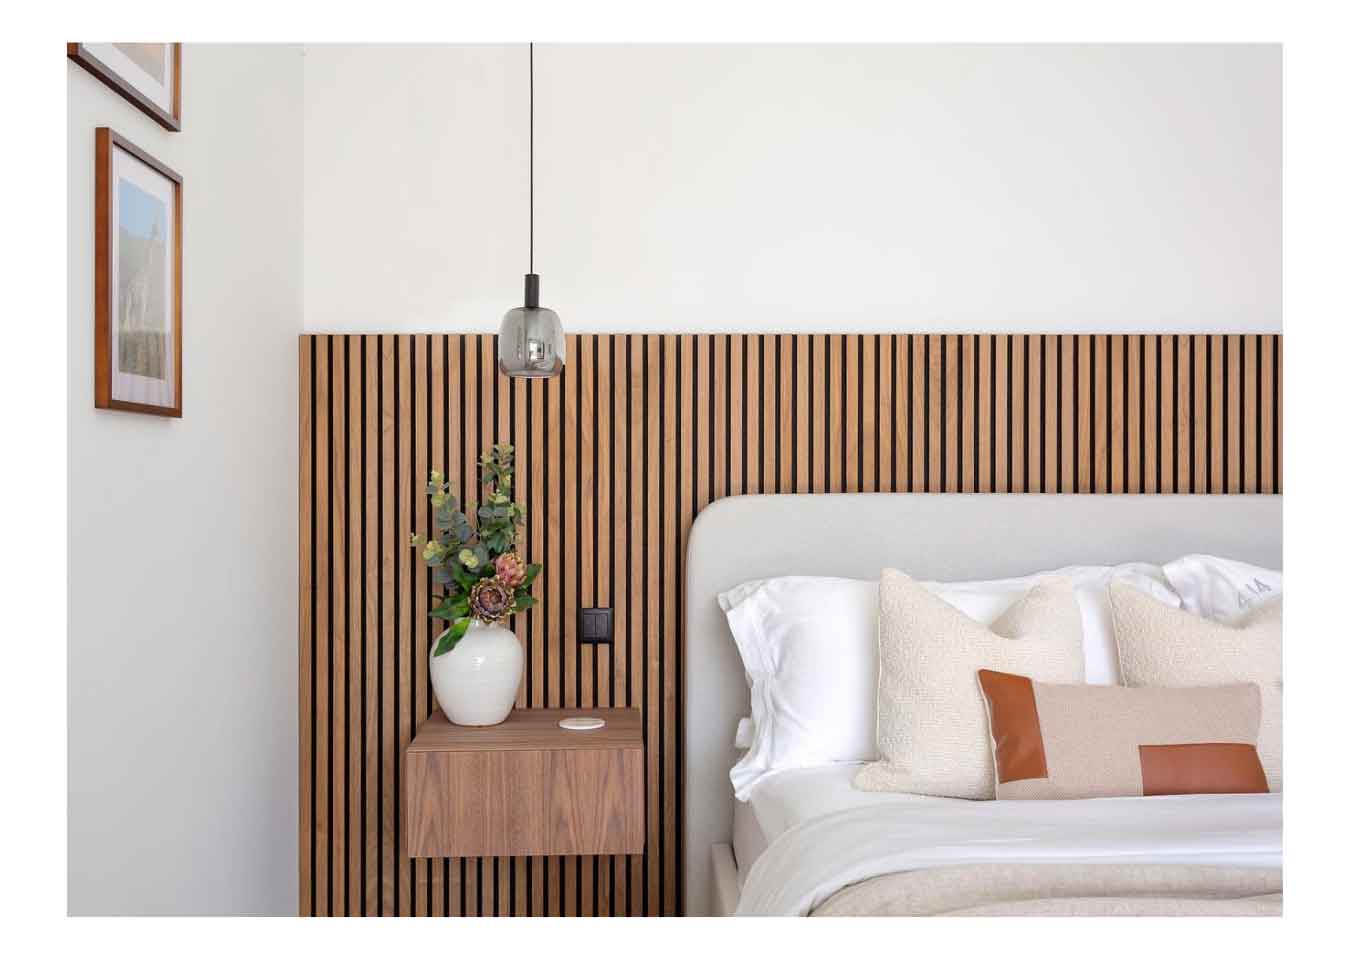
(476,682)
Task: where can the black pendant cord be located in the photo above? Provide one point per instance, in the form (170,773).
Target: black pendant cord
(531,158)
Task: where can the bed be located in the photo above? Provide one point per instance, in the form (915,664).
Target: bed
(810,844)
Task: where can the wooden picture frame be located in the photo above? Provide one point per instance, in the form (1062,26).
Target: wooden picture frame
(135,85)
(138,317)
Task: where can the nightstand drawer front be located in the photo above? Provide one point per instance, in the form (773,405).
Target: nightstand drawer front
(524,802)
(595,801)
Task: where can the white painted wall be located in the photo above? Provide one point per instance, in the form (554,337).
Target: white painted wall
(872,188)
(182,669)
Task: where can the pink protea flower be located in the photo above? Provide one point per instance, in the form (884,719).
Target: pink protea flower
(490,600)
(510,570)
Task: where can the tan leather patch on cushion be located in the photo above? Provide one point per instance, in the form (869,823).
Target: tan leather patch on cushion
(1173,768)
(1019,751)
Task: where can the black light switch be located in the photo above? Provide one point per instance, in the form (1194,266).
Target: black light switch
(597,625)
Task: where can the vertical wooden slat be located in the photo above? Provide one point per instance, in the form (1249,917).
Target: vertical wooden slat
(1033,432)
(1002,428)
(307,602)
(835,414)
(390,542)
(804,415)
(886,406)
(1201,412)
(852,409)
(603,662)
(1167,413)
(1265,412)
(736,414)
(406,614)
(985,420)
(635,523)
(1098,411)
(1182,440)
(355,844)
(1233,414)
(1118,399)
(587,654)
(918,416)
(718,383)
(1218,413)
(655,600)
(671,450)
(768,390)
(620,593)
(868,439)
(337,759)
(1068,455)
(416,671)
(754,416)
(787,408)
(1150,425)
(322,548)
(1017,384)
(374,564)
(902,391)
(951,419)
(438,427)
(1050,435)
(555,676)
(936,433)
(1250,442)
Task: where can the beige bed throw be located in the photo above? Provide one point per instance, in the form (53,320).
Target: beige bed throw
(1064,890)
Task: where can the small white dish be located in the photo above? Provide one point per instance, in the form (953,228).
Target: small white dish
(581,723)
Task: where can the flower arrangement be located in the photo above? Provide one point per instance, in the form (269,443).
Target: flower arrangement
(482,576)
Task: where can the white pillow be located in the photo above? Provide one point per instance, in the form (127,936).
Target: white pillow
(810,654)
(809,649)
(1219,589)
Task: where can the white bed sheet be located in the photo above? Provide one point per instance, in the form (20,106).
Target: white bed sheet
(785,799)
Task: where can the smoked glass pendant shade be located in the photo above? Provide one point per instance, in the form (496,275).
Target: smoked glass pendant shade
(531,343)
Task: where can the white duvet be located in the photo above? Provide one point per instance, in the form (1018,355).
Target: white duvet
(819,857)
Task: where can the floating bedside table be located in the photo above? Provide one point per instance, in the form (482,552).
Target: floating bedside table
(526,787)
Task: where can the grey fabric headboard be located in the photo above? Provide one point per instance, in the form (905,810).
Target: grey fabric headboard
(930,536)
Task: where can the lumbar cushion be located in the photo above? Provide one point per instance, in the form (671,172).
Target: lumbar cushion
(1056,741)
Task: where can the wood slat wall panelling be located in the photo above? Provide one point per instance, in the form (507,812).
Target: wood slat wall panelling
(615,459)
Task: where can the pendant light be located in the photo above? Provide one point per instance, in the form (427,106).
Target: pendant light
(531,342)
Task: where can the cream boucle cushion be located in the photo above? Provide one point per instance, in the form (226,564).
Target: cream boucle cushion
(932,735)
(1164,647)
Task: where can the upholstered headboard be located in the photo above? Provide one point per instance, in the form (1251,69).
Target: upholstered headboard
(931,536)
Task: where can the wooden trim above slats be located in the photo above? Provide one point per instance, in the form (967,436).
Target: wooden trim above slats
(615,459)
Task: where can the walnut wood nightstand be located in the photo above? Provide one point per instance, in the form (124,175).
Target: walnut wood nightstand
(526,787)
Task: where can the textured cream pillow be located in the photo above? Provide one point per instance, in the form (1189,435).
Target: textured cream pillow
(1164,647)
(932,735)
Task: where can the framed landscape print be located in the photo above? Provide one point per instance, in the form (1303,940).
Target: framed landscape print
(147,75)
(138,280)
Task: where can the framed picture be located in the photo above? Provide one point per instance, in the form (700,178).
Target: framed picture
(147,75)
(138,280)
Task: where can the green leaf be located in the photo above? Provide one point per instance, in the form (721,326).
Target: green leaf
(451,608)
(451,636)
(524,603)
(531,571)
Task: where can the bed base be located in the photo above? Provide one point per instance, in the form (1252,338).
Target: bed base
(726,885)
